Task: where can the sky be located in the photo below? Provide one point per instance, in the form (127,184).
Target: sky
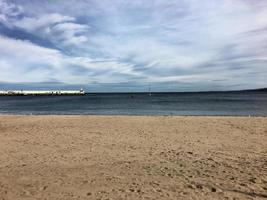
(127,45)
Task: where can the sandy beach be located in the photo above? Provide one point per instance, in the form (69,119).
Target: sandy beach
(118,157)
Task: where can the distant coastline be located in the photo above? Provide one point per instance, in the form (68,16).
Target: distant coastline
(183,92)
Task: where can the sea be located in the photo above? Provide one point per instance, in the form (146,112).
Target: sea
(243,103)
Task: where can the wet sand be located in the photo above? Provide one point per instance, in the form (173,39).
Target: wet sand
(108,157)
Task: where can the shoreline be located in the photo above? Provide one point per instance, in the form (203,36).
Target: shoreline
(132,157)
(132,115)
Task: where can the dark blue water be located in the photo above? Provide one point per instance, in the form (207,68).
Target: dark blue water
(210,103)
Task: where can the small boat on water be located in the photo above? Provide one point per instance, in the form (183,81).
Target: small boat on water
(149,91)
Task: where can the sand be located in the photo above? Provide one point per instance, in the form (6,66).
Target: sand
(108,157)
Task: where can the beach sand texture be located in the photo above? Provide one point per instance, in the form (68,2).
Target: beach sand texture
(119,157)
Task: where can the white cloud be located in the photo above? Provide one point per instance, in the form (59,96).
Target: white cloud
(62,30)
(59,29)
(32,24)
(22,58)
(9,11)
(23,61)
(70,33)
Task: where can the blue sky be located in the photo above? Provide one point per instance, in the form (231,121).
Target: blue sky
(123,45)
